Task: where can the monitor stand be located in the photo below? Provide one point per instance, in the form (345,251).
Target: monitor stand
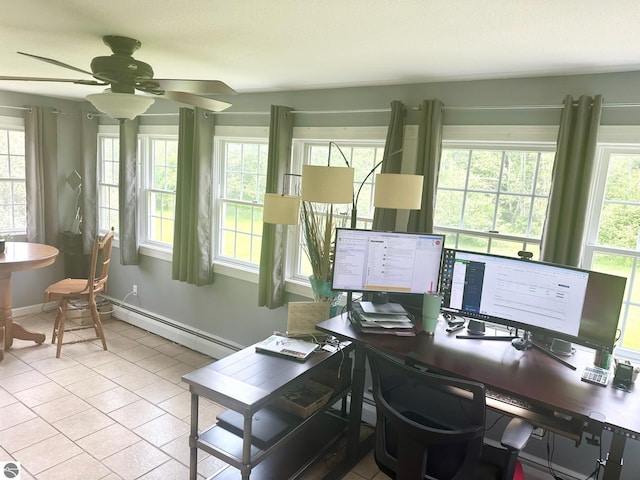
(476,329)
(519,343)
(561,347)
(525,343)
(551,354)
(379,298)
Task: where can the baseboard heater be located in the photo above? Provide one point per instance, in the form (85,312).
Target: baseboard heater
(193,338)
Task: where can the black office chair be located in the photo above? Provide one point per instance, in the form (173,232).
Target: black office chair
(432,426)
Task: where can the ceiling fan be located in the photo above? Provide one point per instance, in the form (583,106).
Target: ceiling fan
(123,75)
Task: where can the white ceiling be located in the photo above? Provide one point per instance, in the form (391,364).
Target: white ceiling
(271,45)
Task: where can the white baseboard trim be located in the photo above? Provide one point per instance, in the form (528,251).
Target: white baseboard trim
(177,332)
(193,338)
(16,313)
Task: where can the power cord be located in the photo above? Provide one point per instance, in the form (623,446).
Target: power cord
(115,308)
(551,444)
(550,449)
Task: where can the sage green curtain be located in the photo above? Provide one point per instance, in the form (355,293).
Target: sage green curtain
(89,172)
(128,192)
(573,170)
(427,164)
(192,244)
(41,170)
(385,218)
(271,291)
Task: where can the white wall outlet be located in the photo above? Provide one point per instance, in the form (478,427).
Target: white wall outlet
(135,290)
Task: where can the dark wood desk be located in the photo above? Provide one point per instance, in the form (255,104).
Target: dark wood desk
(556,391)
(16,257)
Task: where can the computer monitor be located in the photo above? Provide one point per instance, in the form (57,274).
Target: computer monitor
(555,301)
(386,262)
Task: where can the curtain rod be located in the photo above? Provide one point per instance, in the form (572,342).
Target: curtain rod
(376,110)
(460,107)
(28,109)
(15,108)
(313,112)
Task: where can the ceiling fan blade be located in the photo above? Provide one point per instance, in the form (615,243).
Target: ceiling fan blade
(45,79)
(197,101)
(56,62)
(199,87)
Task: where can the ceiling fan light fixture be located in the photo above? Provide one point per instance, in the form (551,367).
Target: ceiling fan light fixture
(120,106)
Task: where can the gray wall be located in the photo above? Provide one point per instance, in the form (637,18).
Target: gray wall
(228,309)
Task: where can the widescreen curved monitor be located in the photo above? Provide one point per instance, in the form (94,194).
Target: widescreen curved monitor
(386,262)
(556,301)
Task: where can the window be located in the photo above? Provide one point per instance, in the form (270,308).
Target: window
(157,167)
(159,155)
(108,176)
(13,198)
(493,197)
(244,173)
(363,157)
(613,238)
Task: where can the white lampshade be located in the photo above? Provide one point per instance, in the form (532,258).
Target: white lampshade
(120,106)
(327,184)
(399,191)
(281,209)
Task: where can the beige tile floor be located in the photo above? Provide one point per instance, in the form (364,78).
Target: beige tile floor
(117,414)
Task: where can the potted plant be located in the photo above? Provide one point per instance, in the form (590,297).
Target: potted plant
(319,233)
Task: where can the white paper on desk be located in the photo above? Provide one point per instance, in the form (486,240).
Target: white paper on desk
(384,318)
(302,317)
(386,324)
(383,308)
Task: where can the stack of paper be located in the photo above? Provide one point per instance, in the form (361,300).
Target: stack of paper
(381,323)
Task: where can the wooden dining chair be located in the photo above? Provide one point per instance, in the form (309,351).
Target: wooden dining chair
(84,290)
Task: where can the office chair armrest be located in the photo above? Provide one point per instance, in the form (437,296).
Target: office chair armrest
(516,435)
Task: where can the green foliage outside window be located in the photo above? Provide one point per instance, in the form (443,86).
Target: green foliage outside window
(497,191)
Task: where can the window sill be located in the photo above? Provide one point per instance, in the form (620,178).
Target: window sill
(233,271)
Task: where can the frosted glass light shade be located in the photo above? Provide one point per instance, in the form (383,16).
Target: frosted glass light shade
(281,209)
(327,184)
(120,106)
(399,191)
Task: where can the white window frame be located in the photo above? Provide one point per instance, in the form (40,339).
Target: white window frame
(15,124)
(145,136)
(149,248)
(611,140)
(111,132)
(227,134)
(498,137)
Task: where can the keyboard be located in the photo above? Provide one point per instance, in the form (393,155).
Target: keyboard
(508,399)
(596,375)
(535,414)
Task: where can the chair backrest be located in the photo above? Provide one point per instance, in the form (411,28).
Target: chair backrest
(425,423)
(100,261)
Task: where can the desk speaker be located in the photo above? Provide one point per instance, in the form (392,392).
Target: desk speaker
(623,377)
